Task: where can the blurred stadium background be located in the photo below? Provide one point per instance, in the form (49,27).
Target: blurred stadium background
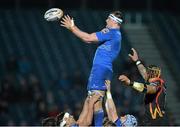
(44,68)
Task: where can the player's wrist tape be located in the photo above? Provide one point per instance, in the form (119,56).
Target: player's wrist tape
(108,94)
(71,28)
(138,62)
(131,83)
(139,87)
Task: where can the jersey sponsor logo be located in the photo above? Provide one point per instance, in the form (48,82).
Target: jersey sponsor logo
(105,30)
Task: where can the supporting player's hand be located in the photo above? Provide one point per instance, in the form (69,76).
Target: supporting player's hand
(108,85)
(134,56)
(94,98)
(67,22)
(124,79)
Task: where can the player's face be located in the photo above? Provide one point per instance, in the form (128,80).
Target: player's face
(109,22)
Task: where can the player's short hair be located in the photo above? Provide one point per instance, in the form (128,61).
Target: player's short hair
(50,121)
(153,71)
(118,14)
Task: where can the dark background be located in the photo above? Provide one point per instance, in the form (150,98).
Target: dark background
(44,69)
(161,5)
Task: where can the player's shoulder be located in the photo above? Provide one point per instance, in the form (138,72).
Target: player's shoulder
(116,33)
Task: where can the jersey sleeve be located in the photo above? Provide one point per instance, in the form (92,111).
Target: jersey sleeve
(103,35)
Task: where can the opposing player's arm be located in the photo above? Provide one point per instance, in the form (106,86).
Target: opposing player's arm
(68,23)
(142,69)
(110,106)
(140,87)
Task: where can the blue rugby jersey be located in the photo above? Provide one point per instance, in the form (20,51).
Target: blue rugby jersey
(109,47)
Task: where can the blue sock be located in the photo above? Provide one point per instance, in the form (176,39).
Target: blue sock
(98,118)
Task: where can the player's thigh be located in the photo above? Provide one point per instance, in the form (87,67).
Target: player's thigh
(97,78)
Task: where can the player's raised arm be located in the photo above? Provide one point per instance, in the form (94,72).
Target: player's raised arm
(68,23)
(110,106)
(134,57)
(82,118)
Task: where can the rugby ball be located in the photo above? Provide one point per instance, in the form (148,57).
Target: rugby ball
(53,14)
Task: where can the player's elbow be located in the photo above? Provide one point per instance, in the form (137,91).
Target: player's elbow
(87,40)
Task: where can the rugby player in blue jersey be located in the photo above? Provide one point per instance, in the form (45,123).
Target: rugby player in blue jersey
(109,45)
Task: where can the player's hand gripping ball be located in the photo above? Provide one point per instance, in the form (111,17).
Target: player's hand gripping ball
(53,14)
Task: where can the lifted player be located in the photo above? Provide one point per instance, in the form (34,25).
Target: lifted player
(109,41)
